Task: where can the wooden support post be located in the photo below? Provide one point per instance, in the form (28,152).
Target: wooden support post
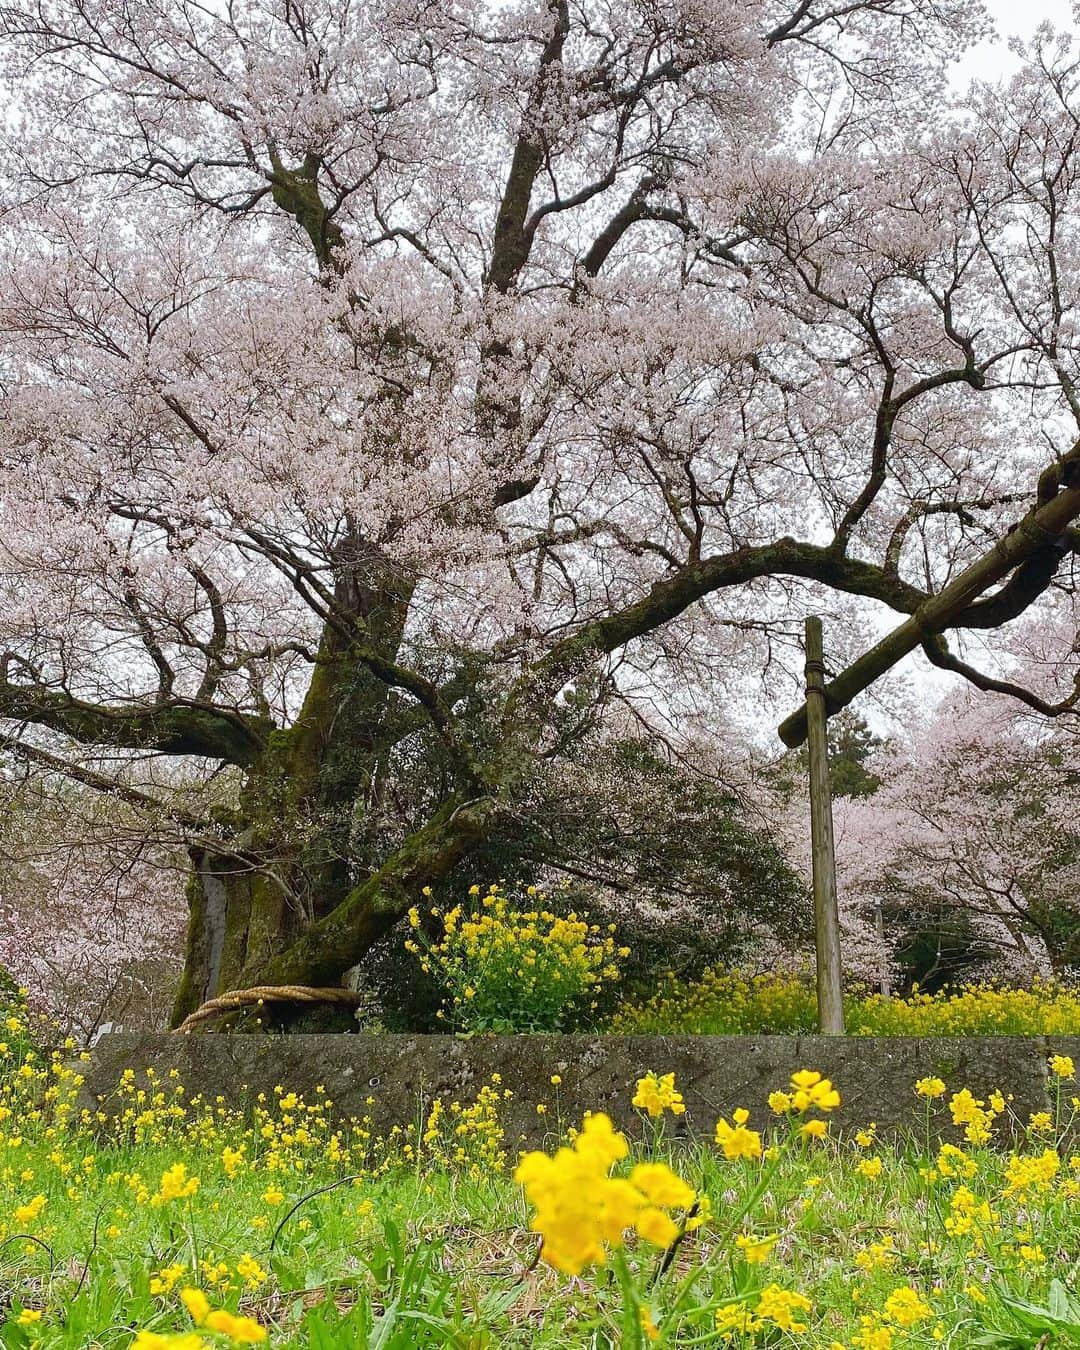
(830,992)
(879,929)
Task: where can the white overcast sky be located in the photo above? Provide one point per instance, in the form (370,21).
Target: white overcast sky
(1012,17)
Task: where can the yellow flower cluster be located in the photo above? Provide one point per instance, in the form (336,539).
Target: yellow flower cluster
(240,1330)
(1046,1009)
(736,1140)
(725,1002)
(582,1210)
(975,1115)
(273,1143)
(237,1329)
(505,968)
(656,1095)
(26,1216)
(903,1309)
(722,1002)
(175,1185)
(774,1307)
(808,1091)
(755,1250)
(1032,1176)
(468,1137)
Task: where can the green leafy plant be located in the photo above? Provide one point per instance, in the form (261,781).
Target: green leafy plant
(1018,1324)
(508,968)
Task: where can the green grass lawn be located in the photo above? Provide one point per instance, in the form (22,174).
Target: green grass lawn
(180,1225)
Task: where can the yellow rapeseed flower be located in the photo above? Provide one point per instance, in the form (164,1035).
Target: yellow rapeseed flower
(25,1215)
(661,1186)
(871,1336)
(164,1281)
(735,1319)
(240,1330)
(780,1307)
(1025,1177)
(735,1139)
(581,1209)
(755,1250)
(153,1340)
(175,1185)
(250,1271)
(811,1090)
(197,1304)
(657,1095)
(905,1307)
(656,1227)
(877,1256)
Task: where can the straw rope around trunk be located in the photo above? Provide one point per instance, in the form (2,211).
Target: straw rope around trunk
(235,999)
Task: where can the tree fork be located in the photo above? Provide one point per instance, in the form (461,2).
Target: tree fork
(338,941)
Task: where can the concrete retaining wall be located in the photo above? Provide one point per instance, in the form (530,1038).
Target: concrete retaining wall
(714,1073)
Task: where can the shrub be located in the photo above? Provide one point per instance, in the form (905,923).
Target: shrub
(507,969)
(680,863)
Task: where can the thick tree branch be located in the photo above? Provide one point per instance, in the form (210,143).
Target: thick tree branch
(938,653)
(172,728)
(510,249)
(372,908)
(673,595)
(100,782)
(785,557)
(1037,532)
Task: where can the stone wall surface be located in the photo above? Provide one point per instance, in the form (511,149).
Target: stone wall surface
(714,1073)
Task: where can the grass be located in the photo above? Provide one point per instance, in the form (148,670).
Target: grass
(324,1236)
(724,1003)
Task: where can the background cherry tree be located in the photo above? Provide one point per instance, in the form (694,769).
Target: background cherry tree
(391,391)
(972,843)
(91,906)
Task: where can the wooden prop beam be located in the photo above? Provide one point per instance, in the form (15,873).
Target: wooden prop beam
(1037,529)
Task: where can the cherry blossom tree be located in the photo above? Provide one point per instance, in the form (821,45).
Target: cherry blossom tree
(389,388)
(91,905)
(976,829)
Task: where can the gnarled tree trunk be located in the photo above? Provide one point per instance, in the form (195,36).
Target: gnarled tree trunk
(303,847)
